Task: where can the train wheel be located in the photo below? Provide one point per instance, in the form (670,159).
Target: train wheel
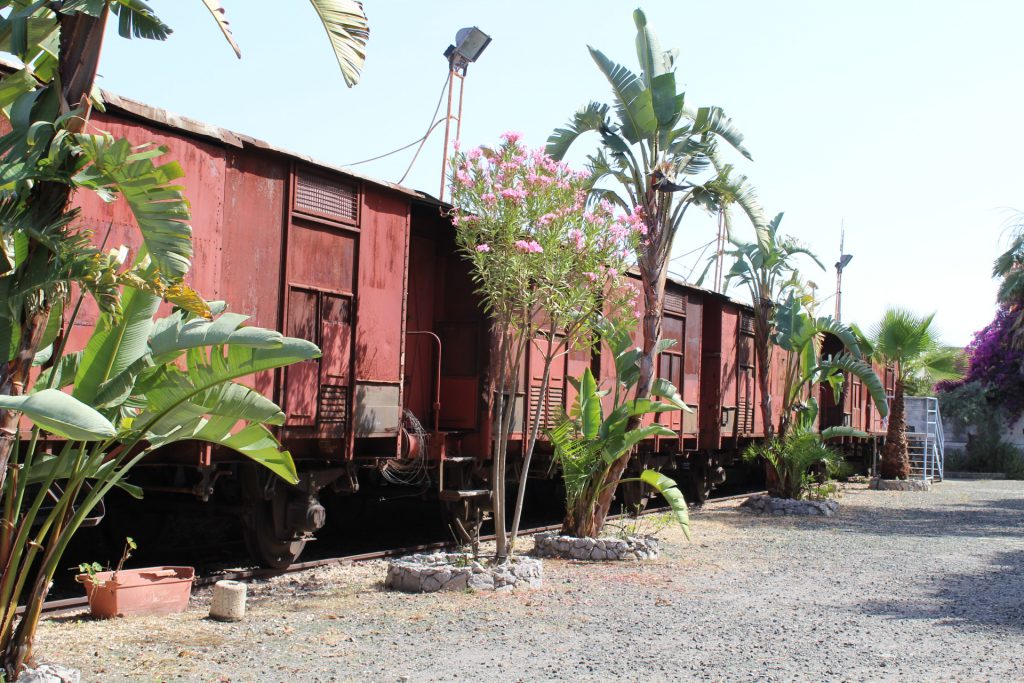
(699,489)
(698,483)
(266,535)
(263,542)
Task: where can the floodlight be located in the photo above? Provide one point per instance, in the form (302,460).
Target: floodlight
(469,45)
(843,261)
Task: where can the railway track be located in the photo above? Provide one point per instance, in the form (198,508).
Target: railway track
(57,607)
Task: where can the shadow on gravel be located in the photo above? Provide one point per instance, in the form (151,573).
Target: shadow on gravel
(991,598)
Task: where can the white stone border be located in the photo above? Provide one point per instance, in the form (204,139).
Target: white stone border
(879,484)
(422,573)
(763,504)
(552,544)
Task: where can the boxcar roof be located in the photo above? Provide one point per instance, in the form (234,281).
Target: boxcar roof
(193,127)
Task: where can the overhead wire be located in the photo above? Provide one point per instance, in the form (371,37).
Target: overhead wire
(420,140)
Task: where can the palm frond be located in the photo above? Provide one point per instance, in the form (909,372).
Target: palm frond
(137,20)
(222,23)
(348,29)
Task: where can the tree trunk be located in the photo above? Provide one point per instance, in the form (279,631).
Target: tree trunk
(895,461)
(80,45)
(653,276)
(762,350)
(531,444)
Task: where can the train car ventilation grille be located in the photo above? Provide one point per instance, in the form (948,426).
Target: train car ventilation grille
(746,323)
(328,198)
(333,404)
(675,302)
(553,406)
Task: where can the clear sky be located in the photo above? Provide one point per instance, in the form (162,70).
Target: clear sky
(900,119)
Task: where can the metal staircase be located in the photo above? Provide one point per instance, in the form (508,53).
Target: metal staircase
(926,445)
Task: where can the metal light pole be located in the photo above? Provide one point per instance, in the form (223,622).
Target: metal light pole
(844,259)
(469,45)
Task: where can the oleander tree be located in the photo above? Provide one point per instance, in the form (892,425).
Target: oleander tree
(548,269)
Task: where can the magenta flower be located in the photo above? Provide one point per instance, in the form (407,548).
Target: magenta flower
(511,136)
(483,248)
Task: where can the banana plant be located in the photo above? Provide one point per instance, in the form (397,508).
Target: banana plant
(46,155)
(791,457)
(800,335)
(588,442)
(661,157)
(141,383)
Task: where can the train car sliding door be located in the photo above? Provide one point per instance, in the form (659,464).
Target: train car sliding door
(317,391)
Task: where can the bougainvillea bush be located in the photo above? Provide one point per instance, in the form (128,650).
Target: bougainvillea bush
(990,396)
(995,366)
(548,268)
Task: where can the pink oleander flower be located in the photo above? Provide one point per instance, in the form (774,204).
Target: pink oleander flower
(593,277)
(488,198)
(514,194)
(463,178)
(483,248)
(474,154)
(546,219)
(578,238)
(511,136)
(455,145)
(529,246)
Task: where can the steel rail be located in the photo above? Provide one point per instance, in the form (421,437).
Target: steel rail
(64,606)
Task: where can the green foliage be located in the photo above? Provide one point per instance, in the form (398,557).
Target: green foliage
(792,457)
(910,342)
(966,405)
(800,334)
(588,441)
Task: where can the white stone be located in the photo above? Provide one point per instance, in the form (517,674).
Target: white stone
(50,673)
(228,603)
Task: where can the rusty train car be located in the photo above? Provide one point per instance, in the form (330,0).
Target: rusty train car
(368,271)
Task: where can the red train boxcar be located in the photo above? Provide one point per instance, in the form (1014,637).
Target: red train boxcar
(369,271)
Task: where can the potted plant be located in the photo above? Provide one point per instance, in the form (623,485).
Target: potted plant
(128,592)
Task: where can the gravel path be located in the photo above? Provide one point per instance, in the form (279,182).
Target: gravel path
(897,586)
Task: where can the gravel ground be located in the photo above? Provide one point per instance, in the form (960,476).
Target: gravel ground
(898,586)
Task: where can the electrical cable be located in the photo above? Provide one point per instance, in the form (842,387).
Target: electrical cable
(419,140)
(409,472)
(693,251)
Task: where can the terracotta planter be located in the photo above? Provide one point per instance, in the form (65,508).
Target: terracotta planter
(155,590)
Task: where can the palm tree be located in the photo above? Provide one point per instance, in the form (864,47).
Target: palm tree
(909,343)
(765,267)
(1009,268)
(663,156)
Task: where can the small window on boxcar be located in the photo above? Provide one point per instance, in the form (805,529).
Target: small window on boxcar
(302,306)
(336,309)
